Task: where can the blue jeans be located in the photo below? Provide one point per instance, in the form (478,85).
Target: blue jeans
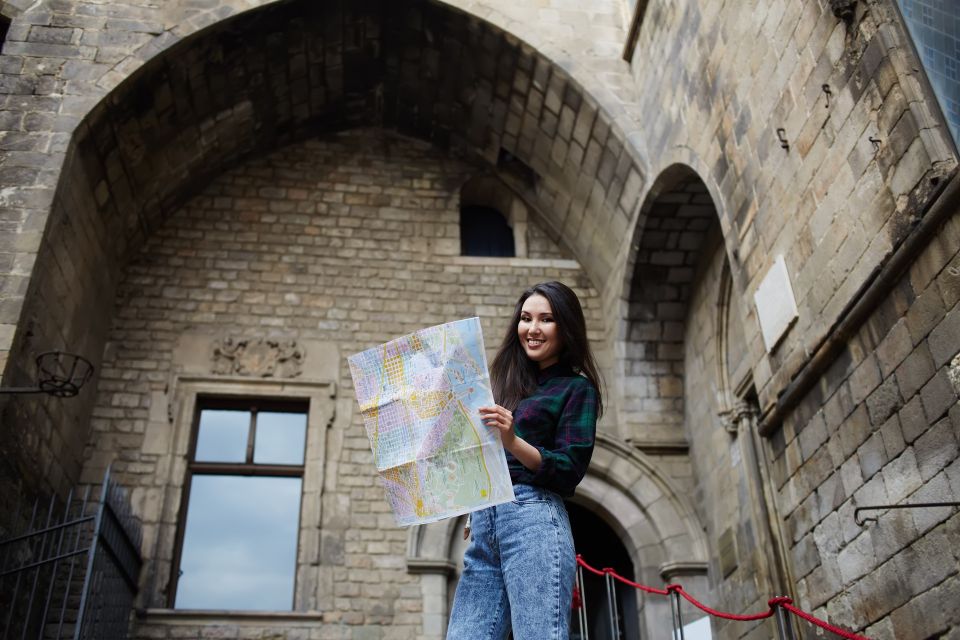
(518,571)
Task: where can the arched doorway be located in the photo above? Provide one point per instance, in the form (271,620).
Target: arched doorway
(601,547)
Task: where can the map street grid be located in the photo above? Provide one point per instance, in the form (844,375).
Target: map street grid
(419,396)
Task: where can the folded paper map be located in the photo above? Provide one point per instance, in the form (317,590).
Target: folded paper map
(419,396)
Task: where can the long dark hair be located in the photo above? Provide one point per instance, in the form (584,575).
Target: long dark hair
(514,375)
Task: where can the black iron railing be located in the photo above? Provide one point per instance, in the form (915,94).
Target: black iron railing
(73,571)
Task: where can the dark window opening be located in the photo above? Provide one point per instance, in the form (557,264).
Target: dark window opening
(485,232)
(240,518)
(4,27)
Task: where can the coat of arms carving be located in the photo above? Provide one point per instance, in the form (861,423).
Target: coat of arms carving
(258,357)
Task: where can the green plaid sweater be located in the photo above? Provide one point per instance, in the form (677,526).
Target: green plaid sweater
(559,419)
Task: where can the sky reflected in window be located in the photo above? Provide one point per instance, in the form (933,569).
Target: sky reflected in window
(222,436)
(240,545)
(280,438)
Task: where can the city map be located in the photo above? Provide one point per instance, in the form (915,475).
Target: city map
(419,396)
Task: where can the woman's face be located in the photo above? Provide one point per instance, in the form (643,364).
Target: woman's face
(538,331)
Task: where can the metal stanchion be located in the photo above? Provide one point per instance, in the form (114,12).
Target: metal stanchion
(582,614)
(612,606)
(676,616)
(784,624)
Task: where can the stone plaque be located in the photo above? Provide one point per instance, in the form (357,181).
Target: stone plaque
(776,306)
(728,553)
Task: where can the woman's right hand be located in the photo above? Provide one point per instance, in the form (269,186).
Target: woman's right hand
(500,419)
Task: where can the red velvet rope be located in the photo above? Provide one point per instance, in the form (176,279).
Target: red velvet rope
(823,625)
(773,603)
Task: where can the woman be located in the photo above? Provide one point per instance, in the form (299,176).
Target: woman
(520,566)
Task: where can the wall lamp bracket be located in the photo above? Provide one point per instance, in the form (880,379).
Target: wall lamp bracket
(59,374)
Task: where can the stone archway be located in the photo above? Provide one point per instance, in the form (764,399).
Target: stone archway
(282,72)
(628,491)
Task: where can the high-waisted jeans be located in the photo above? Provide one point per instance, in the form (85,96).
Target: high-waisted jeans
(518,571)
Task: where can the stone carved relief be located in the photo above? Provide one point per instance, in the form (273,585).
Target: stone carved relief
(258,357)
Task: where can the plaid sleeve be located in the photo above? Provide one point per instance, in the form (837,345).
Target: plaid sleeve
(564,465)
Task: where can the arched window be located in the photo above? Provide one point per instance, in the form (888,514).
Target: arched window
(484,232)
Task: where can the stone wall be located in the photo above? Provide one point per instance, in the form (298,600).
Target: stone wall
(716,84)
(880,429)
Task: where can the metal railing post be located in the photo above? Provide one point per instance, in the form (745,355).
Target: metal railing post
(612,606)
(89,577)
(676,615)
(784,624)
(582,613)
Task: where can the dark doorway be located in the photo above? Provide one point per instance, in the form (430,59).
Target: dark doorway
(601,547)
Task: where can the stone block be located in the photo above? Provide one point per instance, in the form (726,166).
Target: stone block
(936,448)
(893,442)
(872,455)
(913,422)
(894,348)
(864,379)
(830,495)
(884,401)
(851,475)
(824,582)
(812,437)
(902,476)
(938,396)
(925,313)
(914,371)
(857,558)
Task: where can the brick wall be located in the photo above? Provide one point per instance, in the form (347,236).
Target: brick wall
(351,239)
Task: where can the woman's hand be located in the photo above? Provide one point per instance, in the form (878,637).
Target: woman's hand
(501,419)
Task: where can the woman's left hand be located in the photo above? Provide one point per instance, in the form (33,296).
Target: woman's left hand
(501,419)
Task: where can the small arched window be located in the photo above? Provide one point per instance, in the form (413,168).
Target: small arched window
(484,232)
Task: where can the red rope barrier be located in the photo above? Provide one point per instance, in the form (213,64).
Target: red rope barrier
(823,625)
(637,585)
(773,603)
(721,614)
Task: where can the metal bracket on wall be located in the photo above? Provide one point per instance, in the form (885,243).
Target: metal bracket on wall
(916,505)
(782,137)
